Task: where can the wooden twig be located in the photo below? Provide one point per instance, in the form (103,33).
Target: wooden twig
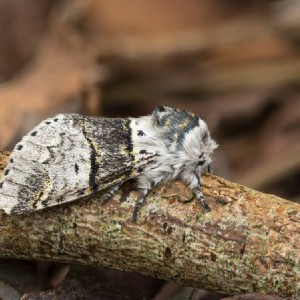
(249,242)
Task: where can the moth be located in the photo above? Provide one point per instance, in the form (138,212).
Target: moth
(70,156)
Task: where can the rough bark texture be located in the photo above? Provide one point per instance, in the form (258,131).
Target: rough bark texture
(249,242)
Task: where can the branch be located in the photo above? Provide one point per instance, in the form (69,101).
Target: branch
(249,242)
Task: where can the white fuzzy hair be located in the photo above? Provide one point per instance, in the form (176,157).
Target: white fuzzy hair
(171,161)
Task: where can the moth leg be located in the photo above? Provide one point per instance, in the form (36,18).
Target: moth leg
(138,206)
(109,192)
(210,169)
(199,194)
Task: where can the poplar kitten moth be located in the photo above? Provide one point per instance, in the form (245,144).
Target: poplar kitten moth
(70,156)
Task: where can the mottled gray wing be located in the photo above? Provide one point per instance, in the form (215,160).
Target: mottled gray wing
(65,158)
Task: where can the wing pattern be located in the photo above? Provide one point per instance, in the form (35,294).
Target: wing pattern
(65,158)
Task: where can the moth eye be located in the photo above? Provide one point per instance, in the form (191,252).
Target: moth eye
(201,163)
(140,133)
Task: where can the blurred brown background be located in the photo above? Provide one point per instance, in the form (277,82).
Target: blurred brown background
(235,63)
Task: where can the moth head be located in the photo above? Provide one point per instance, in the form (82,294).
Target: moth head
(186,134)
(198,146)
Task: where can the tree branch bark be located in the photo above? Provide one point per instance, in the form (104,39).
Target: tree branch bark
(249,242)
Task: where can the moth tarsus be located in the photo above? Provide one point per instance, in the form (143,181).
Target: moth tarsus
(70,156)
(205,205)
(210,169)
(137,208)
